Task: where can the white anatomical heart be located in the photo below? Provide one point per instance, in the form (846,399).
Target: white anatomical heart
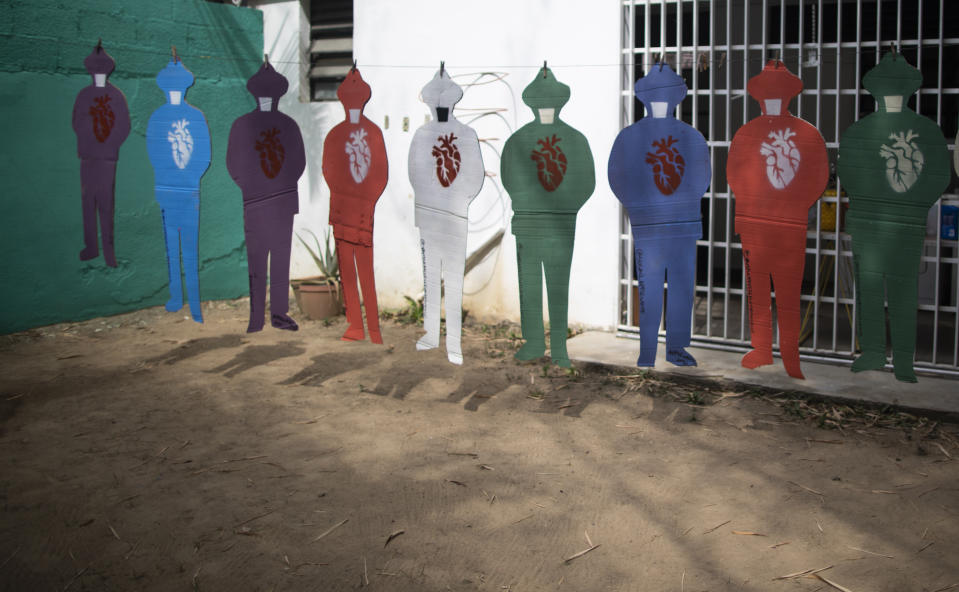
(181,142)
(904,161)
(782,157)
(359,151)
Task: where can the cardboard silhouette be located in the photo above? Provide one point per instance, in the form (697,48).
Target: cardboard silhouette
(265,156)
(356,170)
(446,172)
(659,168)
(547,169)
(778,167)
(178,144)
(101,121)
(894,164)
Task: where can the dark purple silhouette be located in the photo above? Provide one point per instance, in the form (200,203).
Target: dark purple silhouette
(101,121)
(265,156)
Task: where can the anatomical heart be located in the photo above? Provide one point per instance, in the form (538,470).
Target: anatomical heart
(271,152)
(181,142)
(668,165)
(782,157)
(550,162)
(904,161)
(102,118)
(360,155)
(447,157)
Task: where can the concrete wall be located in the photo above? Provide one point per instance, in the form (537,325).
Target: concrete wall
(399,45)
(43,45)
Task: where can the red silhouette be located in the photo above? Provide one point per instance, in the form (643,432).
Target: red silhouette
(271,152)
(102,118)
(550,163)
(668,165)
(447,157)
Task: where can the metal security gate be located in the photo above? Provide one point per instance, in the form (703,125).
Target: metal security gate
(716,47)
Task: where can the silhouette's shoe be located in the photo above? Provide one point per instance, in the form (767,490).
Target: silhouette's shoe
(530,351)
(427,342)
(869,361)
(353,334)
(757,358)
(678,356)
(284,322)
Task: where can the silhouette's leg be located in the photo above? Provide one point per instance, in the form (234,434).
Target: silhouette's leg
(650,275)
(902,287)
(282,243)
(787,284)
(346,253)
(557,293)
(171,232)
(256,258)
(760,315)
(870,309)
(88,203)
(680,282)
(364,264)
(431,296)
(190,240)
(105,207)
(530,265)
(453,269)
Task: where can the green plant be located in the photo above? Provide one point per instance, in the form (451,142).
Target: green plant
(412,314)
(324,256)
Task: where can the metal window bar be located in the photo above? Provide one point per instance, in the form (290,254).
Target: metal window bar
(830,52)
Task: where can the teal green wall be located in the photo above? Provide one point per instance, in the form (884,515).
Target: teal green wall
(42,47)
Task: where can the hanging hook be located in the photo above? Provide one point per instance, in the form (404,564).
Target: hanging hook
(99,45)
(176,58)
(266,59)
(778,56)
(354,66)
(442,68)
(544,68)
(892,48)
(662,59)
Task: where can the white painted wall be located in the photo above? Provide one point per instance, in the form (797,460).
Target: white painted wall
(398,46)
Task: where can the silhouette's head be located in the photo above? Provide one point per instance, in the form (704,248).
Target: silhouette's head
(892,82)
(173,80)
(774,88)
(545,95)
(441,94)
(660,90)
(267,86)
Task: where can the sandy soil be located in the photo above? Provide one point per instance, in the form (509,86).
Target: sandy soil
(146,452)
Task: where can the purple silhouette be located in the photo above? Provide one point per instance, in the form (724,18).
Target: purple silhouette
(101,121)
(265,156)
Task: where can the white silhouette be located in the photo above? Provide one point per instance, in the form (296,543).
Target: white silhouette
(181,142)
(782,157)
(904,161)
(360,156)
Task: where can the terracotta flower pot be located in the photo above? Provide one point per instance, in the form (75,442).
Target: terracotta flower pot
(317,297)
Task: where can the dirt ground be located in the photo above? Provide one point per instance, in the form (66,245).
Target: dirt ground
(147,452)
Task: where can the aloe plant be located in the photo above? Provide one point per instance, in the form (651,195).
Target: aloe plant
(324,257)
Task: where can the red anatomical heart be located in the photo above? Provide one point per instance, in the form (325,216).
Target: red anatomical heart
(668,165)
(550,162)
(103,118)
(447,157)
(271,152)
